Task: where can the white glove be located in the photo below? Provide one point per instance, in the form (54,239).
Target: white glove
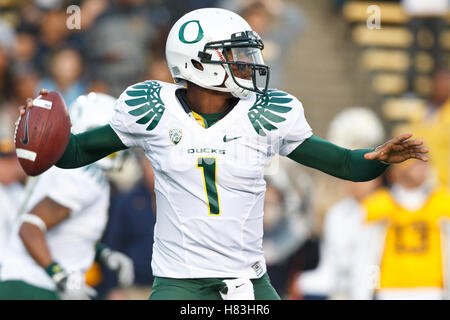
(72,286)
(120,263)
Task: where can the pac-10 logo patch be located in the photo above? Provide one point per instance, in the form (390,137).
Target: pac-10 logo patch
(175,135)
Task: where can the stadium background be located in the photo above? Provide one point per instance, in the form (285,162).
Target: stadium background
(330,54)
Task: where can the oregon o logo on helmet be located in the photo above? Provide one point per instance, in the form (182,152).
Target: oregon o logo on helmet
(182,30)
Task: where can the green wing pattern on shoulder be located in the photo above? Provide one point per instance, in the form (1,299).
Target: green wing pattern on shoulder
(146,97)
(264,114)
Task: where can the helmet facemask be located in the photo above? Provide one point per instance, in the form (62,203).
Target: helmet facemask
(242,60)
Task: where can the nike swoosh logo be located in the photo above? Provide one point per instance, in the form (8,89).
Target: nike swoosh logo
(240,285)
(225,139)
(25,139)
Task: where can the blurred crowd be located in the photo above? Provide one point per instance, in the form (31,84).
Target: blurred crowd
(383,240)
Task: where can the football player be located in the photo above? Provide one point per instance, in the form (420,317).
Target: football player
(414,240)
(208,138)
(54,242)
(11,189)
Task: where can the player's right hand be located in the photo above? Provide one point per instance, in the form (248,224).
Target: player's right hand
(23,109)
(72,286)
(29,103)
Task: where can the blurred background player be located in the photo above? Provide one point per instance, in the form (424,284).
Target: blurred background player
(12,179)
(286,226)
(130,230)
(393,245)
(343,229)
(53,243)
(413,263)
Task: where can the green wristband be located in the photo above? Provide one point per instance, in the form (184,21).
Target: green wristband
(99,249)
(53,269)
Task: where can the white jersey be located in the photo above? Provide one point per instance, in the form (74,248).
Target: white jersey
(349,255)
(343,229)
(85,192)
(10,199)
(209,183)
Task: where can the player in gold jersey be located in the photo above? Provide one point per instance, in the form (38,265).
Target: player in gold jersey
(412,264)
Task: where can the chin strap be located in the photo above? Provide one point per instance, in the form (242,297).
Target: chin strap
(235,90)
(230,86)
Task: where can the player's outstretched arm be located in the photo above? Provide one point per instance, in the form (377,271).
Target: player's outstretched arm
(87,147)
(360,164)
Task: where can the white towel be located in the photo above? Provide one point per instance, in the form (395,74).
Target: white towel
(238,289)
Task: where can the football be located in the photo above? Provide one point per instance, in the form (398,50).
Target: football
(42,133)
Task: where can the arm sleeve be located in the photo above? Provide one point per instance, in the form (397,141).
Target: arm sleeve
(88,147)
(339,162)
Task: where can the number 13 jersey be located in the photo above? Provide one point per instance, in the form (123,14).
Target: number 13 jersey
(209,183)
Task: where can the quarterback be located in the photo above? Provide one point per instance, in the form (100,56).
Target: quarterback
(208,137)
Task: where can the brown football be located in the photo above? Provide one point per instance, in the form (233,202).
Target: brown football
(42,133)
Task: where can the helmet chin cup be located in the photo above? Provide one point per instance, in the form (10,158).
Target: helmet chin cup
(236,90)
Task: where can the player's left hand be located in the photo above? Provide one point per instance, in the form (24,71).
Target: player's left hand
(398,150)
(120,263)
(71,286)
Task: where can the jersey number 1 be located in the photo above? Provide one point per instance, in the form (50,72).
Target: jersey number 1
(209,168)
